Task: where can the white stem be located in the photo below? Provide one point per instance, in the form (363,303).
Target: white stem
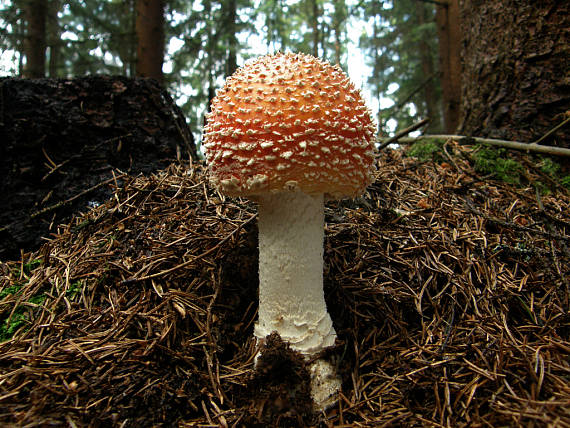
(291,297)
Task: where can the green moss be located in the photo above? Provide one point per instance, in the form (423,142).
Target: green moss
(19,318)
(13,320)
(9,326)
(37,300)
(27,268)
(549,167)
(11,290)
(541,188)
(489,160)
(74,289)
(553,169)
(426,149)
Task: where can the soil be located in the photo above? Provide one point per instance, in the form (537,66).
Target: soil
(60,141)
(279,391)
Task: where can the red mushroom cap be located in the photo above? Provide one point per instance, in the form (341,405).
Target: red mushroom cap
(287,122)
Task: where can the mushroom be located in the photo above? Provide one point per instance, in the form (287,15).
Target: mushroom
(290,131)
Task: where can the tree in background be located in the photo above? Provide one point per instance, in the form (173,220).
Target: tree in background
(232,43)
(208,34)
(87,37)
(150,38)
(339,17)
(516,69)
(277,24)
(449,35)
(196,63)
(126,39)
(205,41)
(36,38)
(315,27)
(12,32)
(313,14)
(402,52)
(98,37)
(305,27)
(428,59)
(53,38)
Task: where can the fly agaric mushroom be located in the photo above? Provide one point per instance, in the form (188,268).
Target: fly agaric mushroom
(289,131)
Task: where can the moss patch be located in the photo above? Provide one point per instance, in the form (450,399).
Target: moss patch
(426,149)
(490,160)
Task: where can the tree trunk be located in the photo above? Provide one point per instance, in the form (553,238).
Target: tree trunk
(315,26)
(516,62)
(231,64)
(339,19)
(54,38)
(449,32)
(128,48)
(428,69)
(35,41)
(150,38)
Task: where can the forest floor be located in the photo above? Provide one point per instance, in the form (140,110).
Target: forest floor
(448,287)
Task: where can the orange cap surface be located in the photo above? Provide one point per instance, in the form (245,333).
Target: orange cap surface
(288,122)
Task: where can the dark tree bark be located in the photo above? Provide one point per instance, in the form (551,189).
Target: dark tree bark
(449,32)
(150,38)
(428,69)
(35,41)
(231,64)
(315,26)
(516,59)
(53,38)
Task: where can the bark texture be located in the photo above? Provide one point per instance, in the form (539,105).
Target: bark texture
(231,64)
(516,58)
(150,38)
(448,22)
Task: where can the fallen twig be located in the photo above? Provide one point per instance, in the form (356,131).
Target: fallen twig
(402,133)
(515,145)
(552,131)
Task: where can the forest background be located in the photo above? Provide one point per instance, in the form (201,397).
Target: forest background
(389,48)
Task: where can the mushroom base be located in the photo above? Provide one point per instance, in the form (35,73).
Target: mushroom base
(325,383)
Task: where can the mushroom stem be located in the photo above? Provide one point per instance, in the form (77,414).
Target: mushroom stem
(291,297)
